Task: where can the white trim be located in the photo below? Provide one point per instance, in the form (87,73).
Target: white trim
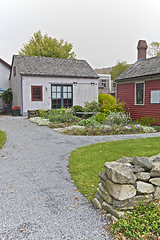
(135,83)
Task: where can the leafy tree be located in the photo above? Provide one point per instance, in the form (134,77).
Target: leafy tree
(154,49)
(118,69)
(46,46)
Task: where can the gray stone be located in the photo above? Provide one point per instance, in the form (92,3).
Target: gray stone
(99,198)
(156,159)
(112,211)
(120,191)
(142,162)
(96,203)
(155,181)
(155,172)
(157,193)
(144,188)
(132,202)
(119,173)
(112,218)
(143,176)
(105,196)
(136,168)
(125,160)
(103,176)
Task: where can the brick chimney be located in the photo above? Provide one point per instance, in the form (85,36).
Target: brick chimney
(142,49)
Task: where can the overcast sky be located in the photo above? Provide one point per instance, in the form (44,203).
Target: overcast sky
(101,31)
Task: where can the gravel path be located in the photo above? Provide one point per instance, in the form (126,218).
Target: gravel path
(37,198)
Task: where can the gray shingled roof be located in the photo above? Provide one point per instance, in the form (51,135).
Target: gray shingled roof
(59,67)
(143,67)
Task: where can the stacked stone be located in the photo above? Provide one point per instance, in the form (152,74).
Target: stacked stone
(33,113)
(126,182)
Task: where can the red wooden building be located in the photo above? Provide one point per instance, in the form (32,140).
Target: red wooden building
(139,85)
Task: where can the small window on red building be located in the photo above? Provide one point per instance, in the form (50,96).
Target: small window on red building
(36,93)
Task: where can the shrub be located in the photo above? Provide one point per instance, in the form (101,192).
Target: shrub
(41,112)
(108,107)
(7,96)
(100,117)
(91,106)
(149,120)
(104,96)
(60,116)
(118,118)
(77,108)
(89,122)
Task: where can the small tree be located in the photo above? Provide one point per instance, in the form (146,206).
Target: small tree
(46,46)
(7,96)
(118,69)
(154,49)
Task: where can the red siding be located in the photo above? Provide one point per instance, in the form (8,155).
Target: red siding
(126,93)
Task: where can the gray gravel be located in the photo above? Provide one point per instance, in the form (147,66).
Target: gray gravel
(37,198)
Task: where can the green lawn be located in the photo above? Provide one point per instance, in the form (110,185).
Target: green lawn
(86,162)
(2,138)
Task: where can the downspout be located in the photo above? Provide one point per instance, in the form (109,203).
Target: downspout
(22,93)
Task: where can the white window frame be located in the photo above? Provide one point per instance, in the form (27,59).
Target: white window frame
(139,104)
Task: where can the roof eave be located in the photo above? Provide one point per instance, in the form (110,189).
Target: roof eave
(152,76)
(64,76)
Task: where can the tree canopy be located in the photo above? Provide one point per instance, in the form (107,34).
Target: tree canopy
(46,46)
(154,49)
(119,68)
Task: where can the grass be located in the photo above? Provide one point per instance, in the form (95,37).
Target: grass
(2,138)
(86,162)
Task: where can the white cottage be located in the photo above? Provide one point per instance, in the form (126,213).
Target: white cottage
(4,79)
(47,83)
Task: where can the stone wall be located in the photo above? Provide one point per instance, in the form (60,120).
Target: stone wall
(33,113)
(126,182)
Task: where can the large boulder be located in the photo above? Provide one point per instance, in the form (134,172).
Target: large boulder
(142,162)
(155,172)
(144,188)
(143,176)
(120,173)
(120,191)
(155,181)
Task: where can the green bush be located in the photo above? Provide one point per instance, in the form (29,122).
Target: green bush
(77,108)
(7,96)
(91,106)
(108,107)
(149,120)
(100,117)
(41,112)
(61,116)
(89,122)
(104,96)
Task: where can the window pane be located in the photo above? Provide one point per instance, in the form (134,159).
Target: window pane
(53,88)
(64,95)
(64,89)
(58,95)
(58,88)
(53,95)
(69,89)
(69,95)
(155,96)
(139,93)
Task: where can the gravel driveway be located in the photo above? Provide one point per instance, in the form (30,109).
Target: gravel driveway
(37,198)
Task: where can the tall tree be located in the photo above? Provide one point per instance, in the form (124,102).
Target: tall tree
(154,49)
(119,68)
(46,46)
